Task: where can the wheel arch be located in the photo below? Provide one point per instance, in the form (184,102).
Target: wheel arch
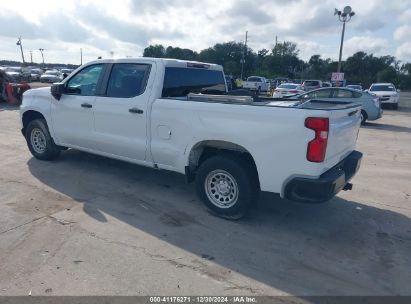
(29,116)
(205,149)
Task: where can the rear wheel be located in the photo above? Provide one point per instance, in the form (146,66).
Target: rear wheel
(39,141)
(227,186)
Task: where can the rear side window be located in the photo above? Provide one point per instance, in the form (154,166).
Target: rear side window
(179,82)
(343,94)
(128,80)
(320,94)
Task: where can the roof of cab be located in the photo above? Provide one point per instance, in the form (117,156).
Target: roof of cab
(166,62)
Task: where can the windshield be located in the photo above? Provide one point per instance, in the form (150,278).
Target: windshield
(54,73)
(382,88)
(254,79)
(288,86)
(18,70)
(311,83)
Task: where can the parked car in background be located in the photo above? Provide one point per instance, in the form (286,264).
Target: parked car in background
(51,76)
(66,71)
(387,93)
(18,74)
(230,82)
(371,106)
(35,74)
(357,87)
(287,89)
(327,84)
(310,85)
(257,83)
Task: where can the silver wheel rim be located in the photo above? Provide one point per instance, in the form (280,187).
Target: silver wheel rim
(38,140)
(362,117)
(221,189)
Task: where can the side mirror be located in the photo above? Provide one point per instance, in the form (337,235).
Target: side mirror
(398,91)
(57,89)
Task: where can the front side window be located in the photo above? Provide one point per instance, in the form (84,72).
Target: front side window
(179,82)
(128,80)
(84,83)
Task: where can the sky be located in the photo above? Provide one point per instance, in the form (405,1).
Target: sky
(123,28)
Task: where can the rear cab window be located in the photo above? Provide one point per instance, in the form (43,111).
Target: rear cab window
(180,81)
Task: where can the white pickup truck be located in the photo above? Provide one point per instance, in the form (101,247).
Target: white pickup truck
(257,84)
(176,115)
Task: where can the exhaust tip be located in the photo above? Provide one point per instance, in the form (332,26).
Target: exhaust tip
(348,187)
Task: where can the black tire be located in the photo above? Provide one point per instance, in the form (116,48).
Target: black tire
(364,117)
(395,106)
(39,141)
(244,181)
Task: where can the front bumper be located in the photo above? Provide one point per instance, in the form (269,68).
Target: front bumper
(389,100)
(324,188)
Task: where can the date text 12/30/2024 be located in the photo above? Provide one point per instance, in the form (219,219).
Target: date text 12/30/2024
(203,299)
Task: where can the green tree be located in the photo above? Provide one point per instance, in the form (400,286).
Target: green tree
(154,51)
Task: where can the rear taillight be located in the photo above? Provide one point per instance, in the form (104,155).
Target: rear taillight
(318,146)
(293,91)
(318,87)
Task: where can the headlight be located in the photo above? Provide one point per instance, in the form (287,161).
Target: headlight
(377,102)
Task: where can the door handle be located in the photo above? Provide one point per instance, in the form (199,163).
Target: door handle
(136,111)
(86,105)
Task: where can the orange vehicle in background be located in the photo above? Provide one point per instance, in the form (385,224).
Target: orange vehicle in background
(10,92)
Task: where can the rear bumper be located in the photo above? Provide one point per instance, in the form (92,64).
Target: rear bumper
(324,188)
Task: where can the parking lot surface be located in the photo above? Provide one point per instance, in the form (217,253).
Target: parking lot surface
(87,225)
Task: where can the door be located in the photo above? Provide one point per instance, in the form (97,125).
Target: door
(121,114)
(73,119)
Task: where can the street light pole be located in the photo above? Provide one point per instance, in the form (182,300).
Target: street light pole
(344,16)
(244,53)
(21,49)
(42,55)
(341,48)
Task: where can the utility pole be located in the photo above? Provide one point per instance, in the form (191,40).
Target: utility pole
(31,57)
(21,49)
(81,56)
(244,55)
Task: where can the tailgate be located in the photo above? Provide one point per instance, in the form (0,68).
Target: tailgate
(343,134)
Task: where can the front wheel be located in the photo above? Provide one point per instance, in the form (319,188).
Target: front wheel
(40,142)
(227,186)
(363,117)
(395,106)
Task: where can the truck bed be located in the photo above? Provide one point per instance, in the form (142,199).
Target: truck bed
(326,105)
